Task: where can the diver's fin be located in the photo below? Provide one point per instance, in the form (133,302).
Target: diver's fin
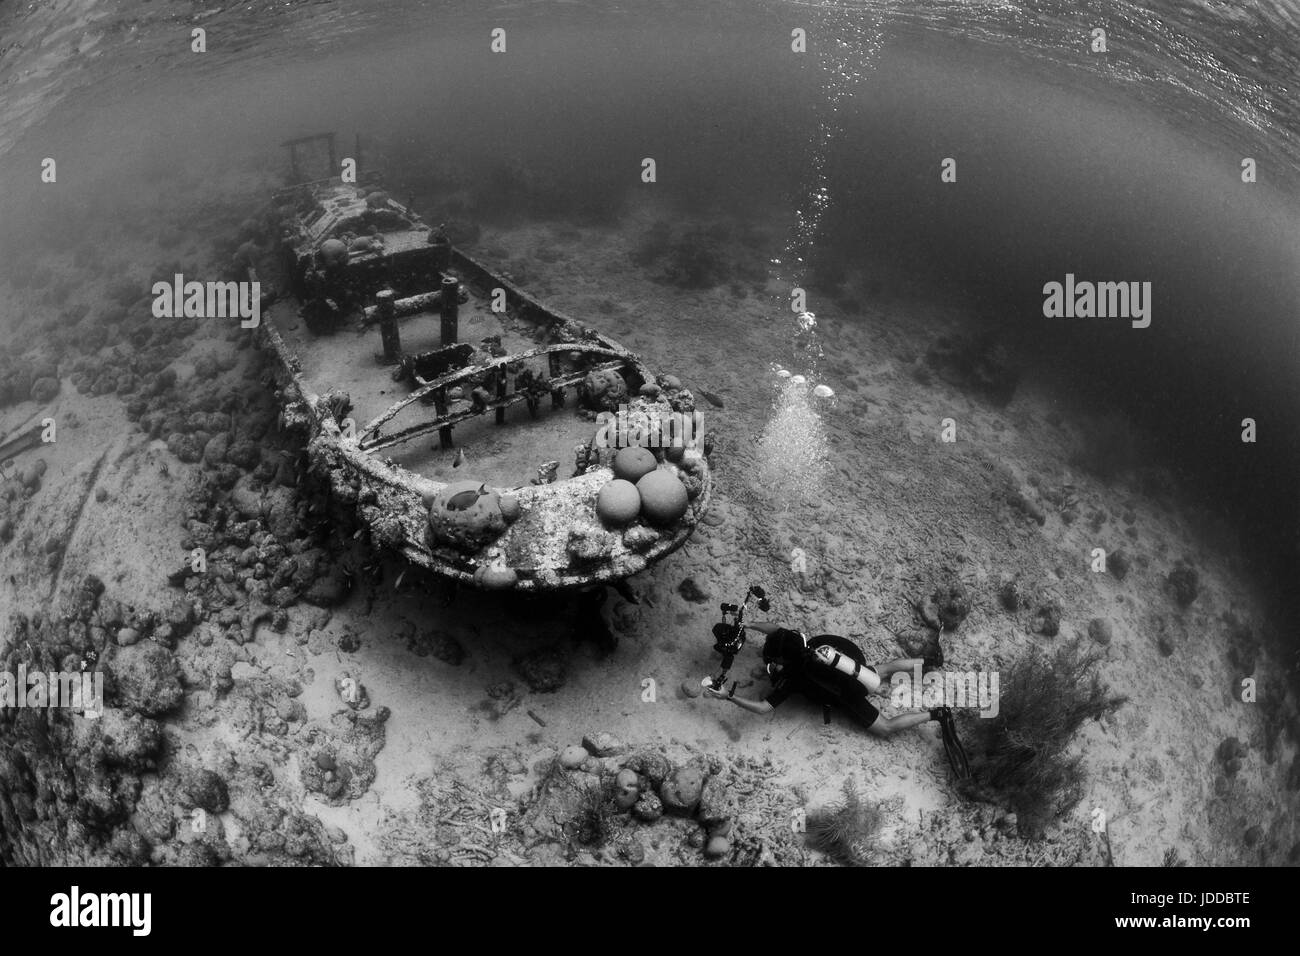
(952,745)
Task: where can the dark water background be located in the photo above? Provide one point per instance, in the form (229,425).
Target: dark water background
(1123,166)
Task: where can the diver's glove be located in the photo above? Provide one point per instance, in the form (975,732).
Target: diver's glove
(940,714)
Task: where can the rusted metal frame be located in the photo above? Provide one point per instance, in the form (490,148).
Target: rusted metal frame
(21,441)
(446,420)
(451,378)
(411,305)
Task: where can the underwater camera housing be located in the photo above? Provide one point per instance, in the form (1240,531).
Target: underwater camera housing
(729,633)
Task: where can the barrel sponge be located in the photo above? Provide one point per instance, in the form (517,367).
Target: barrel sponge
(663,497)
(634,462)
(618,502)
(333,251)
(494,578)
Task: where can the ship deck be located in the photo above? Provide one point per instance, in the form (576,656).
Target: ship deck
(504,456)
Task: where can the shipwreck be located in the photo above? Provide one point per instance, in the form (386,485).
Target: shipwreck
(471,429)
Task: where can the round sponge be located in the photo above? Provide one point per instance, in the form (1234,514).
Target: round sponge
(633,462)
(496,579)
(618,502)
(663,497)
(333,251)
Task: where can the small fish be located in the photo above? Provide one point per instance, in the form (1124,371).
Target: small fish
(459,459)
(713,400)
(464,500)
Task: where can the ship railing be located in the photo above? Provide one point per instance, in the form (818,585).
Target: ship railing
(495,371)
(373,176)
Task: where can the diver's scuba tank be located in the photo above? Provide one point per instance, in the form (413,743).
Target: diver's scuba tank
(848,666)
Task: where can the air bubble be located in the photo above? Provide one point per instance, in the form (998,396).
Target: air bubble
(793,450)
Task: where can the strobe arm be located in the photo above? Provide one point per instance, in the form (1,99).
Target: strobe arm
(729,634)
(717,682)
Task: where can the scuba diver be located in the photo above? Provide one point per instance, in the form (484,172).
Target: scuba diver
(833,672)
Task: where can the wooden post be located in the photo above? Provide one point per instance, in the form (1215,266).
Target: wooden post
(385,301)
(552,368)
(450,306)
(501,393)
(440,408)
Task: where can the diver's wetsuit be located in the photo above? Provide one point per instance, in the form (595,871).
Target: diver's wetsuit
(801,672)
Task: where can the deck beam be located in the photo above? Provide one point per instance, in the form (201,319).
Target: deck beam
(445,420)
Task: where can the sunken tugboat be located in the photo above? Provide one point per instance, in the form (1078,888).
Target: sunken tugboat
(472,430)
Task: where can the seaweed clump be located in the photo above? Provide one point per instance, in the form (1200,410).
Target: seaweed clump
(1019,755)
(977,363)
(694,262)
(1184,584)
(846,831)
(594,823)
(544,670)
